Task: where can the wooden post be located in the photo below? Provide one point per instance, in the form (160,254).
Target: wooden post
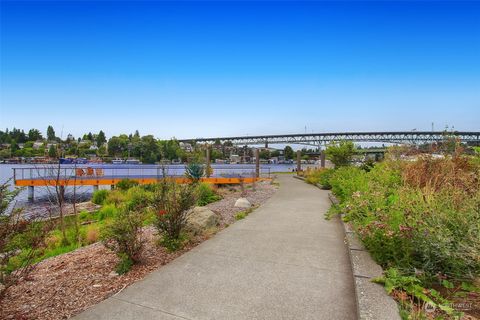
(257,163)
(299,161)
(322,158)
(208,163)
(31,193)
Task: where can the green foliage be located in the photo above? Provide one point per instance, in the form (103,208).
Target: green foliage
(194,171)
(341,154)
(137,198)
(319,176)
(172,202)
(394,280)
(173,244)
(52,151)
(420,217)
(107,211)
(125,264)
(347,180)
(126,184)
(116,197)
(243,214)
(289,153)
(205,194)
(99,196)
(122,235)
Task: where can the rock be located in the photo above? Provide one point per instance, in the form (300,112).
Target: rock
(113,274)
(200,219)
(242,203)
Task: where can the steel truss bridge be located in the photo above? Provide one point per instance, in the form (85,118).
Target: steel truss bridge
(319,139)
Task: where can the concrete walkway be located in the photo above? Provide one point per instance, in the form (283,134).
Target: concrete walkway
(284,261)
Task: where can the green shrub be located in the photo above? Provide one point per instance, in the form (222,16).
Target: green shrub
(319,177)
(83,215)
(116,197)
(194,171)
(126,184)
(422,215)
(99,196)
(347,180)
(123,235)
(107,211)
(137,198)
(171,203)
(205,194)
(124,265)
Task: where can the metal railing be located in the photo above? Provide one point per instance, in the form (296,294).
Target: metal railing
(97,171)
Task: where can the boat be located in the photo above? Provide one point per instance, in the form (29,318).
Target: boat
(117,161)
(133,161)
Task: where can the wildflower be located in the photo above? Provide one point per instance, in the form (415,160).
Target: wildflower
(161,213)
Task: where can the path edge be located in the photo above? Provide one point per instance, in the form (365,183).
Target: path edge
(372,301)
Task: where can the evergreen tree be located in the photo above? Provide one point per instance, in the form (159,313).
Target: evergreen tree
(101,139)
(50,133)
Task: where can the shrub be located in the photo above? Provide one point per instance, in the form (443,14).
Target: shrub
(92,235)
(99,196)
(123,236)
(83,215)
(137,198)
(206,194)
(124,265)
(421,215)
(341,154)
(20,239)
(107,211)
(319,176)
(194,171)
(116,197)
(172,202)
(126,184)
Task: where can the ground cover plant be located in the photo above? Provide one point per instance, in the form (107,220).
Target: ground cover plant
(420,220)
(125,210)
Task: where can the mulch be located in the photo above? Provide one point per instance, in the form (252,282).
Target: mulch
(65,285)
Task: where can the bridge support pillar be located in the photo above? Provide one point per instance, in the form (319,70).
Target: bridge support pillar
(322,158)
(257,163)
(31,193)
(95,188)
(112,187)
(299,161)
(207,167)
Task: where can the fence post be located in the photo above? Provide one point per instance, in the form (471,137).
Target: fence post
(208,162)
(257,163)
(299,161)
(322,158)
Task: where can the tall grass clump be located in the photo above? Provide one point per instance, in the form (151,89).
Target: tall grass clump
(99,196)
(206,194)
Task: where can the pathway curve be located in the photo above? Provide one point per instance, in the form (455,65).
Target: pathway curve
(284,261)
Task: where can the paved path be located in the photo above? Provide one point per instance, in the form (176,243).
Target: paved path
(284,261)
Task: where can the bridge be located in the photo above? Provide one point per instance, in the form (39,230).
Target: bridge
(318,139)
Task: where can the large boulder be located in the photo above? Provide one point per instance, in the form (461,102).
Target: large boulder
(200,219)
(243,203)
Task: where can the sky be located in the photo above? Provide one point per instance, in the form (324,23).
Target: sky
(224,68)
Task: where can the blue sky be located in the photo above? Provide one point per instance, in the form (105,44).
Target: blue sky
(198,69)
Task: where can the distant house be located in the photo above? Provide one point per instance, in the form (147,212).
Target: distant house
(37,145)
(235,158)
(186,147)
